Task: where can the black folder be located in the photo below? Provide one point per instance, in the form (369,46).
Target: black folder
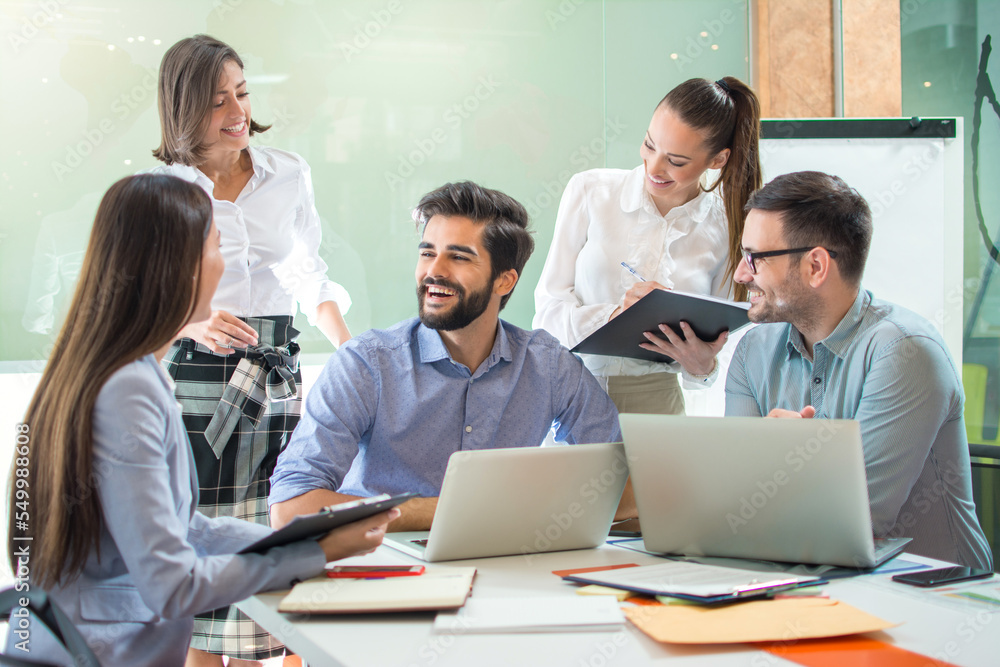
(315,526)
(708,317)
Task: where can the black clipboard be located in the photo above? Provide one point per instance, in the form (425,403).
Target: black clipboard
(708,317)
(315,526)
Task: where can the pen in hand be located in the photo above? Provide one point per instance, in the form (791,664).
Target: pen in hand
(633,272)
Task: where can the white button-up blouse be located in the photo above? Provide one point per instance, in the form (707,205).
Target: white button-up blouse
(606,217)
(271,236)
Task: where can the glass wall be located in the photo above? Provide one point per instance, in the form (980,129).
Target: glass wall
(942,55)
(386,100)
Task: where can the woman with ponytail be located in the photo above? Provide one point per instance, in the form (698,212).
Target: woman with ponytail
(673,223)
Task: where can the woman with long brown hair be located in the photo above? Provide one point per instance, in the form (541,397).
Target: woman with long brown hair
(106,518)
(620,234)
(237,372)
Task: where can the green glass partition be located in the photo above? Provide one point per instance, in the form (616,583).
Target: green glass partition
(386,100)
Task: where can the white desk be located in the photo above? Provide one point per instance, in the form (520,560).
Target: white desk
(929,628)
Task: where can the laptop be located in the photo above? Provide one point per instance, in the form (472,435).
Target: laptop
(791,490)
(525,500)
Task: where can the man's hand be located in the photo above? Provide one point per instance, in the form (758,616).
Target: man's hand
(807,412)
(417,514)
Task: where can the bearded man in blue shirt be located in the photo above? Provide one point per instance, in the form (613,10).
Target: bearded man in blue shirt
(829,349)
(392,405)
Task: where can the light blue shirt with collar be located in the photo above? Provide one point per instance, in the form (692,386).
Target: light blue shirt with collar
(889,369)
(391,406)
(161,561)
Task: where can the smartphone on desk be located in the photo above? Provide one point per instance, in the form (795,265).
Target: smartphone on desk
(942,576)
(373,571)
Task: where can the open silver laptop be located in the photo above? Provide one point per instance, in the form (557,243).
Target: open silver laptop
(524,500)
(791,490)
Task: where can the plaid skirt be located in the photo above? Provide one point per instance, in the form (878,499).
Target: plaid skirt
(248,424)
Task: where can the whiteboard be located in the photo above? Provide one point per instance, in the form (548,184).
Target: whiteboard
(914,188)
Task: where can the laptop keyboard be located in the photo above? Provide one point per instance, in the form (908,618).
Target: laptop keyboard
(419,543)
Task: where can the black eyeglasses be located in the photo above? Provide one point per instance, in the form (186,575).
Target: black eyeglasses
(752,257)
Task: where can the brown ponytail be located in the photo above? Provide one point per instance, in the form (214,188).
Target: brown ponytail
(729,113)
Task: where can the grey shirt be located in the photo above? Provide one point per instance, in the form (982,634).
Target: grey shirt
(160,561)
(888,368)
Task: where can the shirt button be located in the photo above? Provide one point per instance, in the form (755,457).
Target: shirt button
(468,429)
(817,381)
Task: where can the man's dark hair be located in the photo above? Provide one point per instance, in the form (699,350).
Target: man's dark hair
(821,210)
(505,237)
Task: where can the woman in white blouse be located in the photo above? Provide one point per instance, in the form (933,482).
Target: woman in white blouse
(670,225)
(236,373)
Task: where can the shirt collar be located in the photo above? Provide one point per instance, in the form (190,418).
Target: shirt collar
(840,338)
(432,348)
(843,334)
(634,197)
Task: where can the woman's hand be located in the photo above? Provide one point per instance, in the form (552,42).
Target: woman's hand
(221,333)
(696,356)
(358,538)
(634,293)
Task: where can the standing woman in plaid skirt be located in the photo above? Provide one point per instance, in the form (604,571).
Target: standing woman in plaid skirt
(237,373)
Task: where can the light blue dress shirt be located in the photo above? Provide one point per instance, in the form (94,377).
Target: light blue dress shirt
(889,369)
(391,406)
(161,561)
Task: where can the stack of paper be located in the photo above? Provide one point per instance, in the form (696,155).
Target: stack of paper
(542,614)
(437,588)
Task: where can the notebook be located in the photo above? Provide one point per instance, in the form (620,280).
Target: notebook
(525,500)
(707,315)
(791,490)
(437,588)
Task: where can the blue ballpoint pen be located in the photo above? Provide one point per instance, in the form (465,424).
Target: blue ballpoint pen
(633,272)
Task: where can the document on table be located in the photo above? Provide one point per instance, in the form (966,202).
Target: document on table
(437,588)
(694,581)
(536,614)
(759,621)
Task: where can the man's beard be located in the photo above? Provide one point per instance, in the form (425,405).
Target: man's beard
(460,315)
(796,305)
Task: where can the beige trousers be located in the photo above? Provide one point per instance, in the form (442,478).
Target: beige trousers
(653,394)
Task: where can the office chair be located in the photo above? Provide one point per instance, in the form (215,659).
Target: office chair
(45,611)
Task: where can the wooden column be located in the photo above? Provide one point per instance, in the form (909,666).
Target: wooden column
(794,58)
(872,59)
(793,64)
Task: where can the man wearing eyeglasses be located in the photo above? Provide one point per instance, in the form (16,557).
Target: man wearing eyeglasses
(828,349)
